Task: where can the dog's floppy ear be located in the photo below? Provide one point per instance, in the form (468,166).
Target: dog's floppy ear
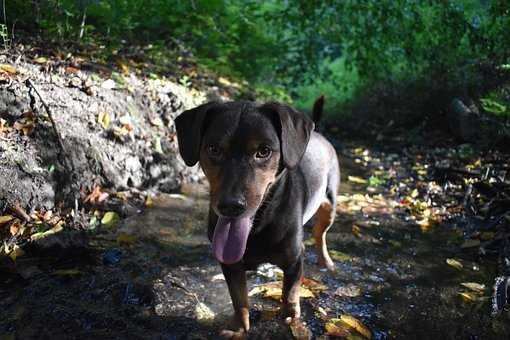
(190,128)
(294,134)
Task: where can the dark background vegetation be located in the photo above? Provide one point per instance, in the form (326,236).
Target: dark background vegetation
(413,56)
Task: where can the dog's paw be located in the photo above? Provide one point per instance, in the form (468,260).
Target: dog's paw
(291,312)
(240,334)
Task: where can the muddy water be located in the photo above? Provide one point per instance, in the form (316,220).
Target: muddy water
(145,279)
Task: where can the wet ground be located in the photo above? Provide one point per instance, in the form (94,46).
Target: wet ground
(153,277)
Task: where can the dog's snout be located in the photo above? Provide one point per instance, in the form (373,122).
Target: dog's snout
(232,206)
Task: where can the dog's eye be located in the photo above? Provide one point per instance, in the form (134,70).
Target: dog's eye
(263,152)
(213,150)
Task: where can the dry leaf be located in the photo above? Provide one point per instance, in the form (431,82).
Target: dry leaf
(103,118)
(15,227)
(477,287)
(348,291)
(454,263)
(357,325)
(357,180)
(40,60)
(336,329)
(5,218)
(203,313)
(468,297)
(110,219)
(8,68)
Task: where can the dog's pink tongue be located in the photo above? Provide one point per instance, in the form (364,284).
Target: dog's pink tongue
(229,240)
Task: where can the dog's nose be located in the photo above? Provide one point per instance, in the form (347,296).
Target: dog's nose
(232,207)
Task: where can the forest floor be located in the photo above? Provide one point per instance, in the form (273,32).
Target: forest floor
(405,267)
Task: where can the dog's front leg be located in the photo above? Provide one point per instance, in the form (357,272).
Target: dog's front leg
(235,275)
(291,282)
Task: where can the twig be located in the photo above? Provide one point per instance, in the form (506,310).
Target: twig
(67,161)
(18,210)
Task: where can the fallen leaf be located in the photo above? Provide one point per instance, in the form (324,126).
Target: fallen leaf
(15,227)
(149,202)
(103,118)
(356,230)
(357,180)
(313,285)
(110,219)
(468,297)
(8,68)
(339,256)
(218,277)
(273,290)
(477,287)
(454,263)
(470,244)
(357,325)
(96,196)
(5,218)
(348,291)
(40,60)
(336,329)
(203,313)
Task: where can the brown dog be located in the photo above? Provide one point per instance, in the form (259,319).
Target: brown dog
(269,173)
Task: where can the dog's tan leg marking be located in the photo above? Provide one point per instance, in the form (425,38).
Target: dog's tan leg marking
(292,276)
(236,281)
(324,218)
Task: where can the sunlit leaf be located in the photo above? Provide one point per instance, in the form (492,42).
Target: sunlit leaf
(110,219)
(356,325)
(454,263)
(476,287)
(339,256)
(5,218)
(203,313)
(8,68)
(356,179)
(103,119)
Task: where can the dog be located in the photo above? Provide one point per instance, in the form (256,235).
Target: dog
(269,173)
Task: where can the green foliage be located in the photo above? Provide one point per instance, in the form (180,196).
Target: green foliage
(302,48)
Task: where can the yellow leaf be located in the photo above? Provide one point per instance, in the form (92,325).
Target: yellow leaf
(5,218)
(336,328)
(273,290)
(8,68)
(40,60)
(149,202)
(110,219)
(357,325)
(356,231)
(103,119)
(339,256)
(203,313)
(454,263)
(468,297)
(357,180)
(476,287)
(414,193)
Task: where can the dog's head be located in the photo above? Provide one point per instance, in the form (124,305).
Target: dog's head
(241,147)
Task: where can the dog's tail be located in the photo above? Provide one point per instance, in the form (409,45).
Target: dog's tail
(318,108)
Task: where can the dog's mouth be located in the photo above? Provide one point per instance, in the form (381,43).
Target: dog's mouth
(230,238)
